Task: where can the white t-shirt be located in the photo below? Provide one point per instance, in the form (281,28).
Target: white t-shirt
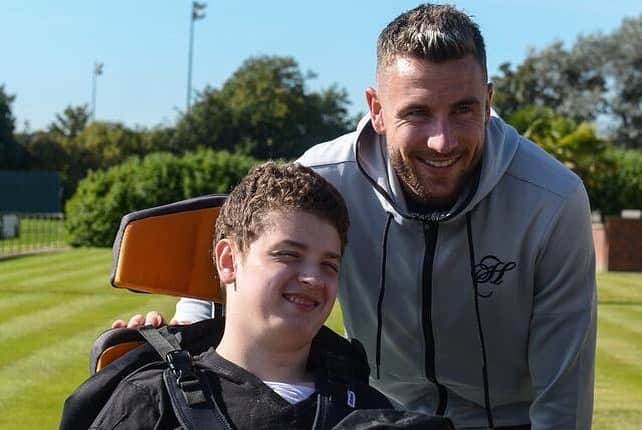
(292,393)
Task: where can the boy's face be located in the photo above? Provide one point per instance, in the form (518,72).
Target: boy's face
(286,280)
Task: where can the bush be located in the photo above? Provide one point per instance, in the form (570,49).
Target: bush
(620,188)
(93,213)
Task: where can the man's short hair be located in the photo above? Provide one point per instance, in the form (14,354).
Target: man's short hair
(280,187)
(437,33)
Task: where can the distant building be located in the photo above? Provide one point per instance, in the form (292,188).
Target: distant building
(30,192)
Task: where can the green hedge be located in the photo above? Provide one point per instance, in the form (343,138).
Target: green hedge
(621,188)
(104,196)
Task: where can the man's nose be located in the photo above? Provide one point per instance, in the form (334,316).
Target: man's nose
(441,138)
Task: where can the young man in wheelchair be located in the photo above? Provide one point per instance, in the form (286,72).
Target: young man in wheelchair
(278,244)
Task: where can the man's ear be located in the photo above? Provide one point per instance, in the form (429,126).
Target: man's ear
(376,112)
(225,257)
(489,101)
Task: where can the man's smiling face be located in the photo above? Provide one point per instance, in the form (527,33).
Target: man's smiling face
(434,117)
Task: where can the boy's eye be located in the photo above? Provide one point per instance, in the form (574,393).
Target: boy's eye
(284,254)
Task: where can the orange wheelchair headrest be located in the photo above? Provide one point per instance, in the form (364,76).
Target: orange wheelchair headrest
(168,250)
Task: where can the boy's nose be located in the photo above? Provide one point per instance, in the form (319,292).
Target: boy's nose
(310,279)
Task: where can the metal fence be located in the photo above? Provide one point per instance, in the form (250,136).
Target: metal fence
(30,233)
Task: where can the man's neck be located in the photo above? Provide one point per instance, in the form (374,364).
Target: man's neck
(267,361)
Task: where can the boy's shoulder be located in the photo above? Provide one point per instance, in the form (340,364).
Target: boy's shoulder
(140,401)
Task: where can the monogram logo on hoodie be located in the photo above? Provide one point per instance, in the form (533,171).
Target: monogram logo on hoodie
(491,270)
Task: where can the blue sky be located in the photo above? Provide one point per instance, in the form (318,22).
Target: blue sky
(49,47)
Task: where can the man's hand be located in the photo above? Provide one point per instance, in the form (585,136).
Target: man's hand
(152,318)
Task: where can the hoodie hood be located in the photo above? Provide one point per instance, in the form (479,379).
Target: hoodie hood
(371,154)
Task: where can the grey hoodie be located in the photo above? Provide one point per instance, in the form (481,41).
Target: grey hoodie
(506,278)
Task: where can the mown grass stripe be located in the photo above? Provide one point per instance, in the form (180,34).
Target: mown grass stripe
(617,419)
(91,272)
(46,318)
(49,273)
(626,316)
(614,386)
(48,259)
(38,366)
(21,347)
(619,289)
(91,280)
(24,304)
(47,372)
(623,344)
(618,380)
(10,301)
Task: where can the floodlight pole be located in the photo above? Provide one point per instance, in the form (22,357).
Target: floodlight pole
(98,70)
(197,13)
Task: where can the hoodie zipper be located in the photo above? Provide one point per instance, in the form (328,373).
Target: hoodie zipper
(430,240)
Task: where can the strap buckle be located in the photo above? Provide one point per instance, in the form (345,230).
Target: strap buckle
(180,363)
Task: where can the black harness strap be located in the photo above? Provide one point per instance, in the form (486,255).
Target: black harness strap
(200,416)
(162,341)
(192,400)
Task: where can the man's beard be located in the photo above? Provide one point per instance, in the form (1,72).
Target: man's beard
(410,183)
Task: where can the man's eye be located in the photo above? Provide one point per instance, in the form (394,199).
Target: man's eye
(416,113)
(463,109)
(332,266)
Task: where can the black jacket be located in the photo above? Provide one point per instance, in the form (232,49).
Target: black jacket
(141,400)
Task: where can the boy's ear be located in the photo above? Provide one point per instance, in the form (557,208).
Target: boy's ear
(225,261)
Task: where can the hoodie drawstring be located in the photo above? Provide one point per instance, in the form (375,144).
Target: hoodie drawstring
(471,252)
(382,291)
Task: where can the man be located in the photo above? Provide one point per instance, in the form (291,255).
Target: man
(470,275)
(279,239)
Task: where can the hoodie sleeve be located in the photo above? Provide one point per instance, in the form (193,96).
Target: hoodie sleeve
(192,310)
(561,349)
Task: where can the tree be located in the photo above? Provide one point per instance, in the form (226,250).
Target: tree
(209,124)
(71,122)
(620,188)
(599,77)
(570,82)
(72,146)
(625,68)
(264,110)
(10,151)
(575,145)
(98,146)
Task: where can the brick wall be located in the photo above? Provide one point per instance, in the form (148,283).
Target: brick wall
(625,244)
(618,244)
(601,247)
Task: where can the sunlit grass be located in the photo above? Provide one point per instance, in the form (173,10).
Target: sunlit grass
(54,305)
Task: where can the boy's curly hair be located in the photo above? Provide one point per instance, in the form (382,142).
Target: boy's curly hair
(282,187)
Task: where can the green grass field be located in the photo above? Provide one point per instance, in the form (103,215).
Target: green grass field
(53,306)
